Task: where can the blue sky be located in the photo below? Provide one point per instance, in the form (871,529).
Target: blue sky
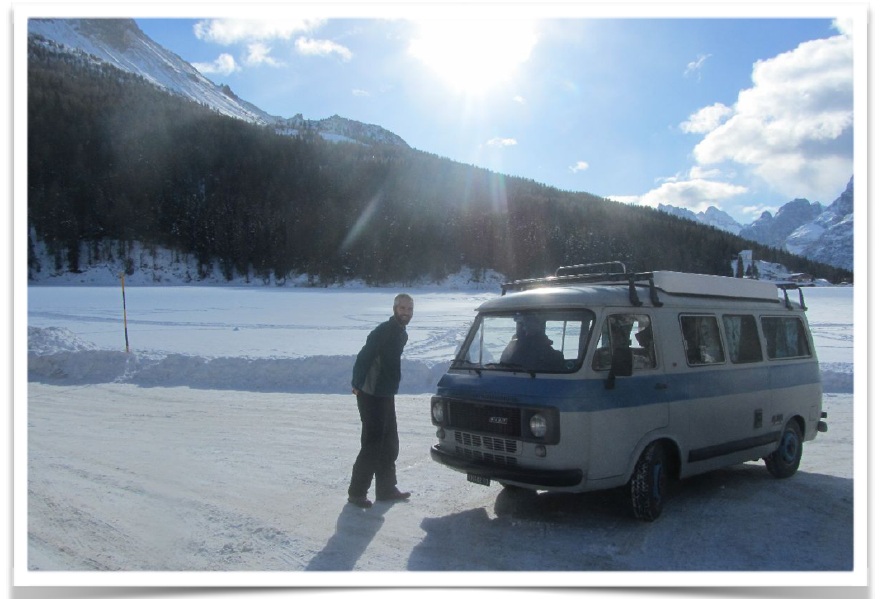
(743,112)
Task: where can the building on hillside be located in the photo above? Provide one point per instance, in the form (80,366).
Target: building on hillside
(800,278)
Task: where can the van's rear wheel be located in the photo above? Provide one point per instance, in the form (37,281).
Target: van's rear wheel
(647,487)
(786,460)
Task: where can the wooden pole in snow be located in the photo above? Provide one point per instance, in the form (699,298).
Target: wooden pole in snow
(124,315)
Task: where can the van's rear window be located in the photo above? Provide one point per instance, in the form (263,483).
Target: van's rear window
(785,337)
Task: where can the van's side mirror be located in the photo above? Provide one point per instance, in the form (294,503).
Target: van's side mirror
(621,365)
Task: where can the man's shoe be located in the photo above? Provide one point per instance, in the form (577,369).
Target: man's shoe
(361,502)
(393,495)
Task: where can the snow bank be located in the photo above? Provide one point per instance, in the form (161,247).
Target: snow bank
(290,340)
(56,356)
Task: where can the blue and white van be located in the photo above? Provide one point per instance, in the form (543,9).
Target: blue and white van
(594,380)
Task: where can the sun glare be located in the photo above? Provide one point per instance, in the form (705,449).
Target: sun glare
(473,56)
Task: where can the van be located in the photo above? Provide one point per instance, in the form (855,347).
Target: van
(598,378)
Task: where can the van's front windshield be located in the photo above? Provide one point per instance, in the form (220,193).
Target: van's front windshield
(531,341)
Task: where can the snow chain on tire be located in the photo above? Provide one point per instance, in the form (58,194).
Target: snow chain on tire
(648,483)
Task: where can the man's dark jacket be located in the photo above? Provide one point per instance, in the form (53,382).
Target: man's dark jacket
(377,367)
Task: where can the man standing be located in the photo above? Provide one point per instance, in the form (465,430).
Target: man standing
(375,380)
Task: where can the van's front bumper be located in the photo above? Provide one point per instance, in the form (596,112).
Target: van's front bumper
(546,479)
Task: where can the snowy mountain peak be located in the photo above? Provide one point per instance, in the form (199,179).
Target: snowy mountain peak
(122,44)
(121,34)
(800,227)
(337,128)
(713,217)
(810,230)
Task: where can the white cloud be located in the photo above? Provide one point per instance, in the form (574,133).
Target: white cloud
(501,142)
(844,26)
(580,165)
(258,53)
(254,35)
(694,194)
(698,172)
(696,66)
(360,93)
(313,47)
(224,65)
(519,99)
(794,127)
(232,31)
(706,119)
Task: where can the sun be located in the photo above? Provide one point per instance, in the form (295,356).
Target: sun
(472,56)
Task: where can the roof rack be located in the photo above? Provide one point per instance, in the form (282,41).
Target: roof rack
(589,268)
(785,287)
(583,275)
(674,283)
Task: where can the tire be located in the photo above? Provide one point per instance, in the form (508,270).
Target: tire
(786,460)
(647,487)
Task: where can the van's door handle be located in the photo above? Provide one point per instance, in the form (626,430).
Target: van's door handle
(661,386)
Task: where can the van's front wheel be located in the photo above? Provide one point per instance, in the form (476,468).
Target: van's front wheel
(647,487)
(786,460)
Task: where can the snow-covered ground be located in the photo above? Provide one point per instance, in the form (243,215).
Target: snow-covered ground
(217,451)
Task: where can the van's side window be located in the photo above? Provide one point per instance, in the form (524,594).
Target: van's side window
(702,341)
(628,332)
(785,336)
(743,343)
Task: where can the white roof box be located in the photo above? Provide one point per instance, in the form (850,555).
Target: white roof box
(713,285)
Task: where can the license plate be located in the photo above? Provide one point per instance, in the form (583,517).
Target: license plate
(480,480)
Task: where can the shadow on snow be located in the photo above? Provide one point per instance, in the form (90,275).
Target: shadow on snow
(737,518)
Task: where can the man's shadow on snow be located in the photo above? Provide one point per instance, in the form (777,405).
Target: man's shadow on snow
(355,530)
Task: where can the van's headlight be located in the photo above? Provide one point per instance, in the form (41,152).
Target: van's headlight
(538,425)
(437,411)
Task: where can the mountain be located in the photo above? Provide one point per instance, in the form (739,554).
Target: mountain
(829,237)
(774,230)
(121,43)
(810,230)
(117,159)
(337,128)
(712,217)
(800,227)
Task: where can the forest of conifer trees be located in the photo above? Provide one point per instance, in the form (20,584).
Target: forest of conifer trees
(112,158)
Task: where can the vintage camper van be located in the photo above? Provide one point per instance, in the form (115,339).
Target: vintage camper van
(591,380)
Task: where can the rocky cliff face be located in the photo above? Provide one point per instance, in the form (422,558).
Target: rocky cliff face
(774,230)
(829,237)
(809,230)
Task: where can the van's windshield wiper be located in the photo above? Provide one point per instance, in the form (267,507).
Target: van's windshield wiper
(463,363)
(513,366)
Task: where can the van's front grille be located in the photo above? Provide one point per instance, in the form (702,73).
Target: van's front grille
(480,456)
(488,443)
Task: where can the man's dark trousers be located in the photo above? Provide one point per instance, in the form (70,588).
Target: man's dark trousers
(379,446)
